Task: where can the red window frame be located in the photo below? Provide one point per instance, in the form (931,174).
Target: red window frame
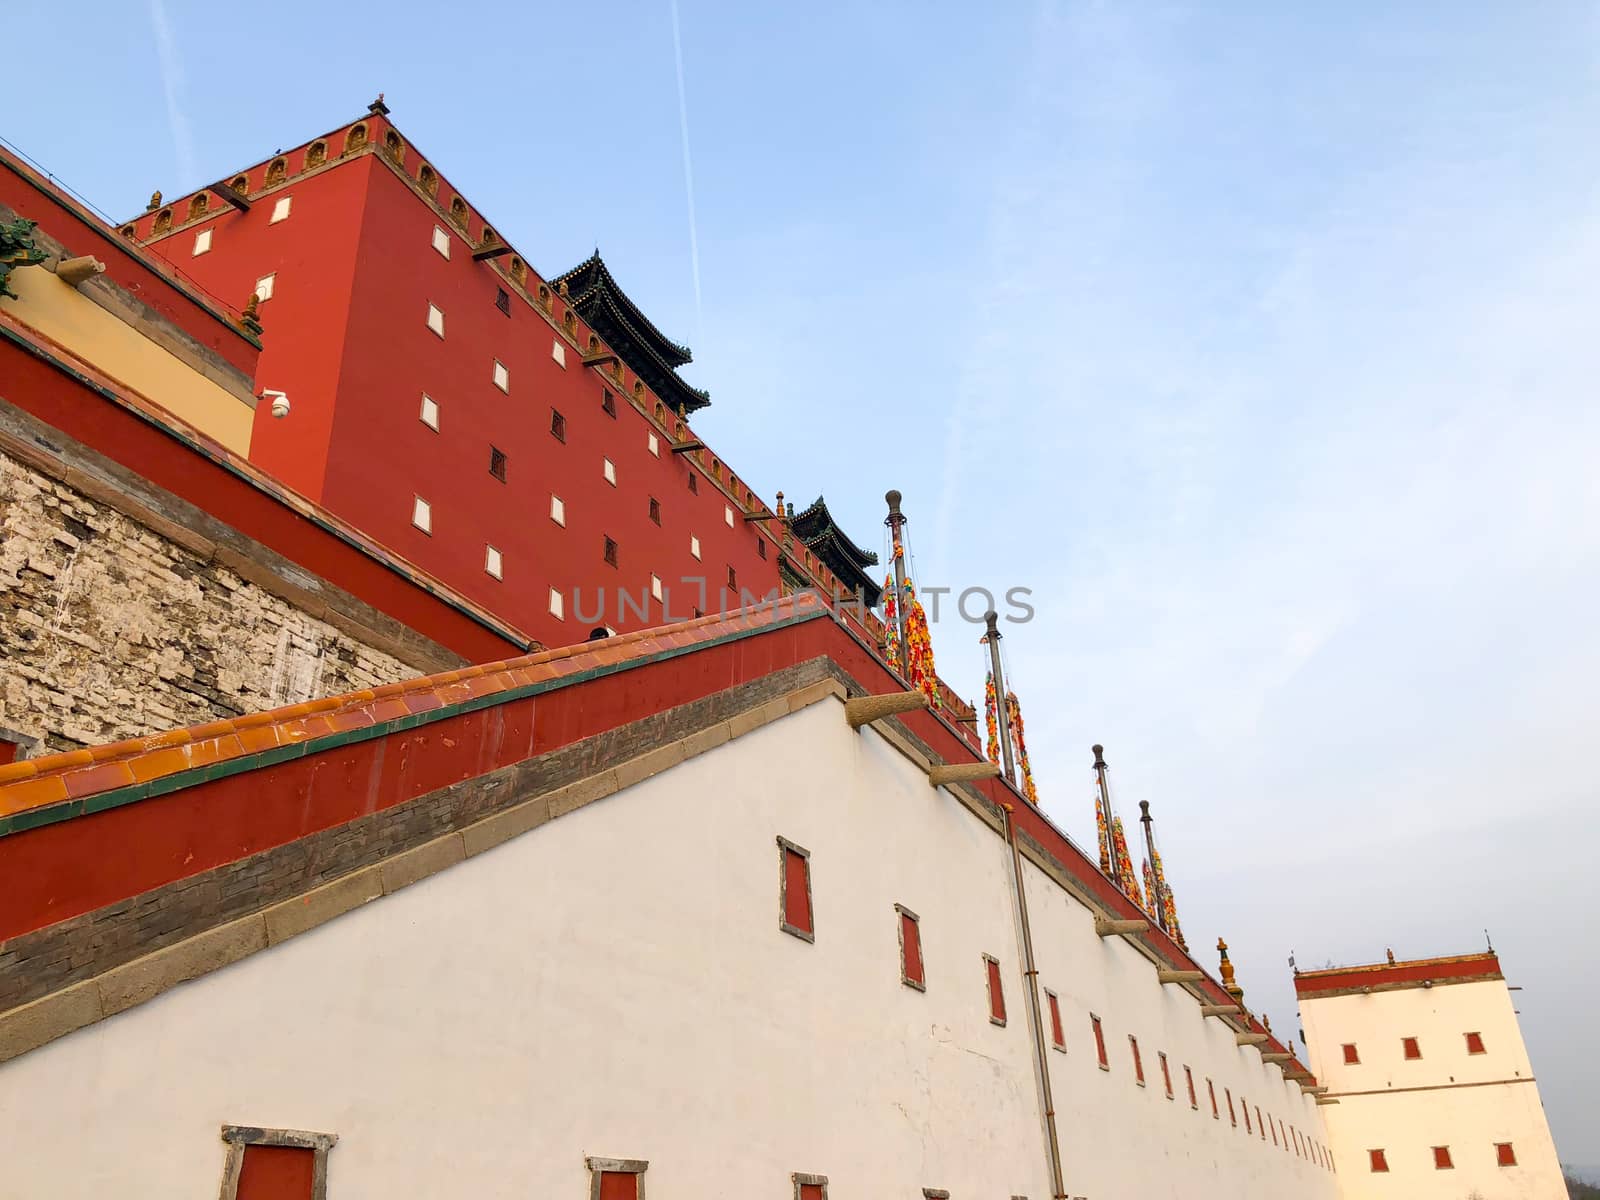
(1099,1042)
(912,973)
(1058,1035)
(1245,1105)
(795,913)
(1166,1072)
(1505,1154)
(1138,1062)
(1261,1126)
(997,993)
(1273,1130)
(1188,1078)
(276,1173)
(1475,1044)
(8,751)
(1411,1048)
(1216,1113)
(1441,1159)
(1351,1057)
(1378,1161)
(1232,1118)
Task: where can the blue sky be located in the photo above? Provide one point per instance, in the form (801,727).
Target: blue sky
(1257,340)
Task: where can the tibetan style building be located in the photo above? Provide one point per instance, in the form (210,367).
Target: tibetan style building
(349,849)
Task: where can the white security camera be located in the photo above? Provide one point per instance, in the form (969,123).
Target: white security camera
(280,402)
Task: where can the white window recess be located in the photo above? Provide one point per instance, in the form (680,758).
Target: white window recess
(436,319)
(558,351)
(655,587)
(502,377)
(441,242)
(655,445)
(558,605)
(491,561)
(202,242)
(610,472)
(558,510)
(694,546)
(280,209)
(430,412)
(422,514)
(264,287)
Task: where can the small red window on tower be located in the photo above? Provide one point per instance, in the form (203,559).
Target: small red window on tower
(1410,1047)
(1504,1154)
(276,1173)
(910,949)
(1099,1042)
(558,426)
(1245,1105)
(1138,1063)
(1474,1041)
(1166,1073)
(1058,1036)
(1261,1126)
(1379,1162)
(810,1187)
(1441,1158)
(1188,1078)
(9,749)
(1273,1130)
(794,890)
(1350,1055)
(997,996)
(1232,1117)
(615,1178)
(1212,1089)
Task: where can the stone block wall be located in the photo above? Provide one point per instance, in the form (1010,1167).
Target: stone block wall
(109,630)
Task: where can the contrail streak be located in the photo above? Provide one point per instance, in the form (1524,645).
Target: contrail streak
(688,171)
(172,84)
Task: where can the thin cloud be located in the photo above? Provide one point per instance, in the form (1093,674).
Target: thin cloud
(688,170)
(172,85)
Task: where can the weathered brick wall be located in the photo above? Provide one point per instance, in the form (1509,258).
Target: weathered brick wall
(109,630)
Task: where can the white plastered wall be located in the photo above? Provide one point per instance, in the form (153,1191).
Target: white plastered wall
(1448,1097)
(615,983)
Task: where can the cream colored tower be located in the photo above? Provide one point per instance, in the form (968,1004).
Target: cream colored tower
(1435,1096)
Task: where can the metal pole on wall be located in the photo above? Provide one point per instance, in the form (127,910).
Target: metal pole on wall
(1105,803)
(1158,902)
(896,521)
(991,619)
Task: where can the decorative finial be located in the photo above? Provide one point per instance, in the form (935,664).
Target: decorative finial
(1390,953)
(790,513)
(1144,811)
(155,202)
(248,320)
(1099,757)
(1266,1022)
(780,504)
(1232,988)
(378,107)
(892,498)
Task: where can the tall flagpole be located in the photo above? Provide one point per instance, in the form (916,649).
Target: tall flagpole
(993,638)
(895,521)
(1105,801)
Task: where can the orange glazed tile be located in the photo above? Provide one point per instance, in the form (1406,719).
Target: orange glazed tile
(423,702)
(388,710)
(485,685)
(103,778)
(212,729)
(254,720)
(112,750)
(386,690)
(154,764)
(355,718)
(259,737)
(214,749)
(172,737)
(11,772)
(65,761)
(31,793)
(307,728)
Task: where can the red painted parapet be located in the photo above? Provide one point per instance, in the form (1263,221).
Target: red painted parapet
(1385,976)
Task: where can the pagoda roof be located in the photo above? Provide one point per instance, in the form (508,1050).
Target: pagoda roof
(654,357)
(819,533)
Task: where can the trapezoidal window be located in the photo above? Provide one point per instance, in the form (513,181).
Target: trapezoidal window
(1058,1035)
(1211,1088)
(810,1187)
(1233,1118)
(1410,1048)
(1188,1078)
(616,1178)
(911,972)
(497,463)
(608,402)
(794,889)
(655,510)
(611,552)
(1505,1154)
(1166,1073)
(1378,1160)
(1099,1042)
(1475,1043)
(1350,1055)
(275,1164)
(1138,1062)
(997,995)
(558,426)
